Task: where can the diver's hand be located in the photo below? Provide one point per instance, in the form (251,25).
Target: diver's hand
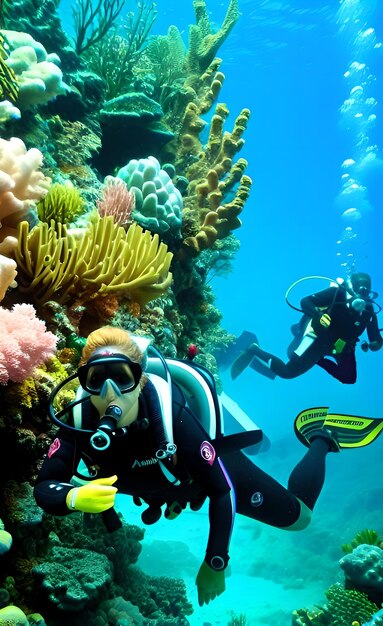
(325,320)
(364,346)
(210,583)
(96,496)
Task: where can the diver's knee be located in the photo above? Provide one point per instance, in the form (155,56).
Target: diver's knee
(347,380)
(288,372)
(304,518)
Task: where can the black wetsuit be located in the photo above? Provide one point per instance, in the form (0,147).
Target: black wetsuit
(232,483)
(347,324)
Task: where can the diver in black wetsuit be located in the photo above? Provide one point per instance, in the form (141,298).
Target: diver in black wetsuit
(327,335)
(125,449)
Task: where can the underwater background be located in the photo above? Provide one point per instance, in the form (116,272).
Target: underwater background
(311,73)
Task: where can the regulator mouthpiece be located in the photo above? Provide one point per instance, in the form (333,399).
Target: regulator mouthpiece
(358,304)
(101,439)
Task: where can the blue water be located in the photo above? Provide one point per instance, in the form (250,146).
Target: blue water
(287,63)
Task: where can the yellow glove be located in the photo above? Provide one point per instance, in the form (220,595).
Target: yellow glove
(210,583)
(94,497)
(325,320)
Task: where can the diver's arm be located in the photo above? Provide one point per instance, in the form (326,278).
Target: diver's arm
(53,482)
(374,337)
(315,305)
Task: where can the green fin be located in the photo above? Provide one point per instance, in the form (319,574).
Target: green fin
(308,421)
(348,431)
(353,431)
(241,363)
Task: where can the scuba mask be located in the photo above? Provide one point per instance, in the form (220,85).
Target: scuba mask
(361,286)
(116,368)
(113,375)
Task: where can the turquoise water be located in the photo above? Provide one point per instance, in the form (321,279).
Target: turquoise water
(312,78)
(287,63)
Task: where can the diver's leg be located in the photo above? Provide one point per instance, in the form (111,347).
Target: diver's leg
(258,495)
(261,497)
(343,368)
(307,478)
(296,366)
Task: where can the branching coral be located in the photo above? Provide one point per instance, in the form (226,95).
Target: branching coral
(204,43)
(54,265)
(206,216)
(127,48)
(93,21)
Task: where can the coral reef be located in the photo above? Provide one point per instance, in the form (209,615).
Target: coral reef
(76,253)
(356,602)
(363,570)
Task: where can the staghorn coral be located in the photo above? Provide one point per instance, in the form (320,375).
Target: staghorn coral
(104,260)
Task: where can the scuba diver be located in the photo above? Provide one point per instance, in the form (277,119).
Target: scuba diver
(137,427)
(332,322)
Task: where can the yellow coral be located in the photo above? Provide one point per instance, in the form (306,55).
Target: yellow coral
(13,616)
(103,258)
(63,203)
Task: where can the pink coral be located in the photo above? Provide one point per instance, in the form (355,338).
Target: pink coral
(116,200)
(24,343)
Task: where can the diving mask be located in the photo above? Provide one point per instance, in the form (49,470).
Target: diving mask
(124,373)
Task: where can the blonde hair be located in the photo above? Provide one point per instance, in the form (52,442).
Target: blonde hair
(112,337)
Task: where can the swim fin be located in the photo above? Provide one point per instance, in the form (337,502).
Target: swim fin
(308,422)
(249,358)
(241,363)
(347,431)
(353,431)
